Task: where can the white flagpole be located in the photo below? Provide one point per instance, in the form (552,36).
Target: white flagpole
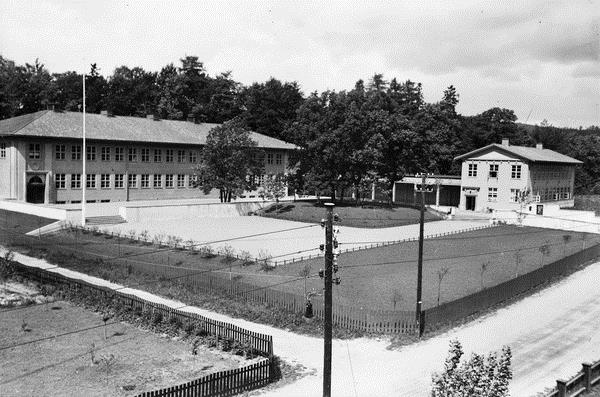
(84,154)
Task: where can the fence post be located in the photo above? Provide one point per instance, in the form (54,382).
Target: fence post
(587,376)
(561,386)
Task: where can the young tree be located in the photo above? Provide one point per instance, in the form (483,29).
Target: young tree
(544,251)
(227,161)
(273,188)
(482,270)
(566,239)
(479,376)
(441,273)
(518,259)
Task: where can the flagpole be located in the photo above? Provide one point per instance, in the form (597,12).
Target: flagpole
(84,154)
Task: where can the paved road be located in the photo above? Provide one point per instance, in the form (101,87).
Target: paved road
(550,333)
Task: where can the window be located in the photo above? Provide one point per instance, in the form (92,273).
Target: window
(269,158)
(157,181)
(90,181)
(180,156)
(104,181)
(193,156)
(76,152)
(91,153)
(492,193)
(515,172)
(3,150)
(169,181)
(192,180)
(60,181)
(472,170)
(567,193)
(145,155)
(180,181)
(35,151)
(119,153)
(132,154)
(514,195)
(132,181)
(105,154)
(493,170)
(278,158)
(169,156)
(60,152)
(119,181)
(76,181)
(157,155)
(145,181)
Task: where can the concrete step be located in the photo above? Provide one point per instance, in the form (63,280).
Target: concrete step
(104,220)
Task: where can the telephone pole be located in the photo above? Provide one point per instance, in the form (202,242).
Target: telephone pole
(328,315)
(423,188)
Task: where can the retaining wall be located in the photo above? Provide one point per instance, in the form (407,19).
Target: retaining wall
(170,211)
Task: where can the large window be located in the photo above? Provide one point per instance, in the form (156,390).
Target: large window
(169,156)
(60,152)
(515,172)
(193,156)
(278,158)
(75,181)
(60,181)
(192,179)
(119,181)
(514,195)
(145,155)
(90,181)
(104,181)
(169,181)
(180,181)
(145,181)
(76,152)
(492,193)
(132,181)
(180,156)
(105,153)
(91,153)
(157,155)
(119,153)
(157,181)
(493,170)
(35,151)
(472,171)
(2,150)
(132,154)
(269,158)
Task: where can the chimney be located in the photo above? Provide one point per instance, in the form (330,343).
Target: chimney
(104,113)
(505,142)
(539,146)
(191,118)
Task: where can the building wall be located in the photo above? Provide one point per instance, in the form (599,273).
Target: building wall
(58,168)
(552,182)
(7,157)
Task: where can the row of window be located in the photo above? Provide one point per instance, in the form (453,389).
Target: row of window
(2,150)
(515,170)
(117,181)
(560,193)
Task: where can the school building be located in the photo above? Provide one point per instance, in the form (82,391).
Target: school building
(127,158)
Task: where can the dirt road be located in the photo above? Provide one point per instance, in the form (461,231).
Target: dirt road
(550,334)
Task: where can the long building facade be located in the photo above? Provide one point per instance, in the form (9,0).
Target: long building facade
(504,177)
(127,158)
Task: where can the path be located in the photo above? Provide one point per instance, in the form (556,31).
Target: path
(550,333)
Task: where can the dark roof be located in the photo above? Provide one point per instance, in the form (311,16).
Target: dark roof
(531,154)
(68,125)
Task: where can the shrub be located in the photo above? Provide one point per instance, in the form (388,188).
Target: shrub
(207,251)
(246,258)
(144,235)
(264,260)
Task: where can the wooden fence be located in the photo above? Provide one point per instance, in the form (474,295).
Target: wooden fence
(220,384)
(583,381)
(463,307)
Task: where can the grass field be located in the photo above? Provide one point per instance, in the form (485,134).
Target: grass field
(365,216)
(62,366)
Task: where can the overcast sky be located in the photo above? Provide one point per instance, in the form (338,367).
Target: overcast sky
(539,58)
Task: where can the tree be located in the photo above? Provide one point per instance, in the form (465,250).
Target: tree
(544,251)
(479,376)
(483,268)
(132,92)
(518,259)
(273,187)
(441,273)
(227,161)
(566,239)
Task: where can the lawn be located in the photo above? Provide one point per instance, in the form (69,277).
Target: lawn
(372,215)
(20,223)
(61,366)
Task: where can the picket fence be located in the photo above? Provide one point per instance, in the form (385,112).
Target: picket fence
(583,381)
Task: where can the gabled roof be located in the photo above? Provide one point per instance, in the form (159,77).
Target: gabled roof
(68,125)
(531,154)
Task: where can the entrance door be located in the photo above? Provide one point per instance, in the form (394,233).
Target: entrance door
(35,190)
(470,204)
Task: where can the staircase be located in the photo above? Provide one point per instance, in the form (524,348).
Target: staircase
(104,220)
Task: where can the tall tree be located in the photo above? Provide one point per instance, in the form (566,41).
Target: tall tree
(132,92)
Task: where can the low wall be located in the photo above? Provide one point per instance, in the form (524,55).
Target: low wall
(482,300)
(34,209)
(171,211)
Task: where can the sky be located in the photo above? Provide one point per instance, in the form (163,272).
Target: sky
(538,58)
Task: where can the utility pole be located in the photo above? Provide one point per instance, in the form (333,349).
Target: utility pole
(422,189)
(328,315)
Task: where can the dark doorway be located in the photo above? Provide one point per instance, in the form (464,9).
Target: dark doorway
(35,190)
(470,204)
(539,210)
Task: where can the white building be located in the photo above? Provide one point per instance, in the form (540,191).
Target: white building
(493,178)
